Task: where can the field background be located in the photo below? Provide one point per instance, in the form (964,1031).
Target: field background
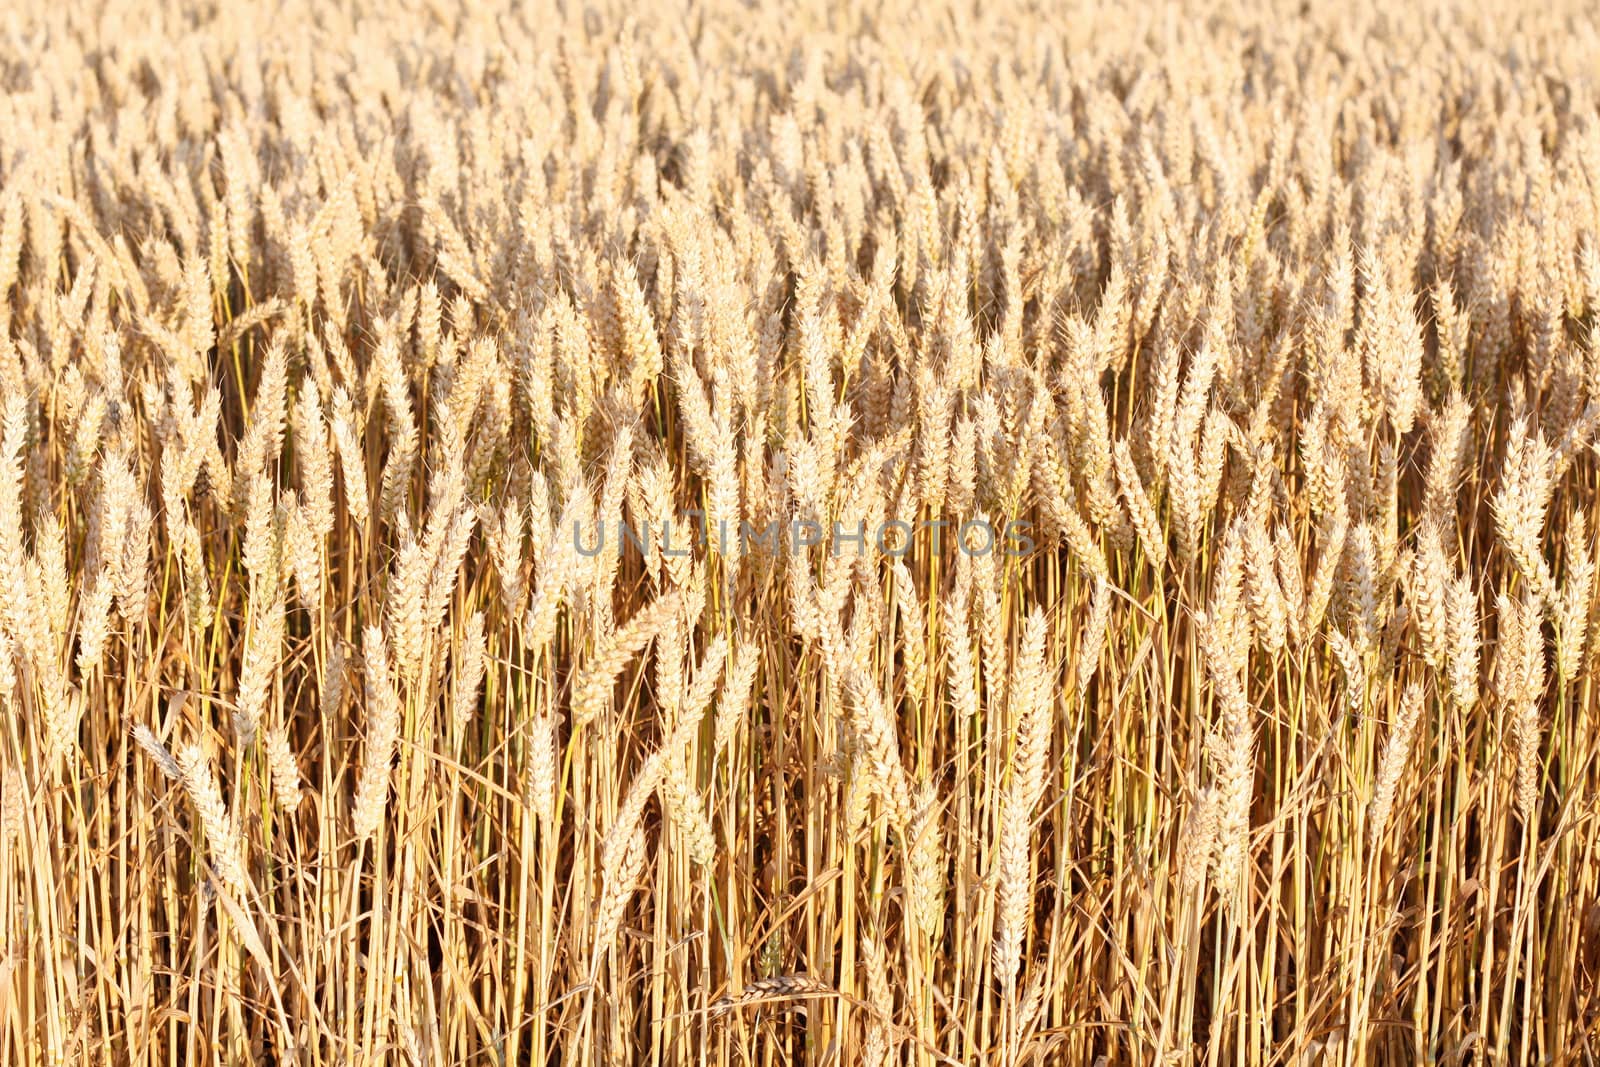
(324,326)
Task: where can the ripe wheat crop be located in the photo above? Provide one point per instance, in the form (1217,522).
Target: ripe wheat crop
(913,533)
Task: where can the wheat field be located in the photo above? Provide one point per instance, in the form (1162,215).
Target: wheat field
(730,534)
